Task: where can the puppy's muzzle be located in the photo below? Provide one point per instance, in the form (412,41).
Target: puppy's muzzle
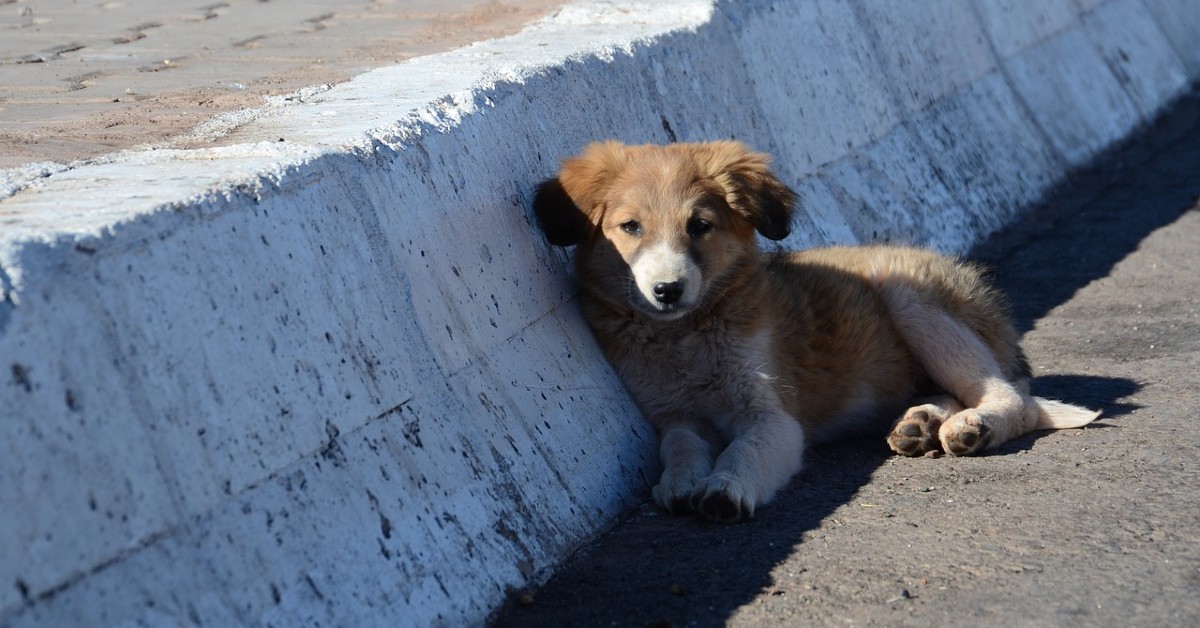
(668,281)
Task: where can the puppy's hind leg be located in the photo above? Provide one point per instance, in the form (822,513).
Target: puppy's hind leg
(957,359)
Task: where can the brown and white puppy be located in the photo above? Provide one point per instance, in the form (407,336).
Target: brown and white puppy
(740,359)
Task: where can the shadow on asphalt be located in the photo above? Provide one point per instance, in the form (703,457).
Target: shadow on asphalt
(1096,218)
(1091,391)
(665,570)
(691,571)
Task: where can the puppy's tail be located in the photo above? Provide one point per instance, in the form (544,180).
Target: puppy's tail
(1056,415)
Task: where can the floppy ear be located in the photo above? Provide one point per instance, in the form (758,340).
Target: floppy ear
(568,205)
(750,187)
(561,220)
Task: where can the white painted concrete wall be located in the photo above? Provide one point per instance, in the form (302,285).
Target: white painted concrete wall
(340,379)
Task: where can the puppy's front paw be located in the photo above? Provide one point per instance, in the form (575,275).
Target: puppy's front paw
(674,491)
(965,433)
(916,432)
(722,498)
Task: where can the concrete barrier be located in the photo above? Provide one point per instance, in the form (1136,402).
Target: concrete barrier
(329,373)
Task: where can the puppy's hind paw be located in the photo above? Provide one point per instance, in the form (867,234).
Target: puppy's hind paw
(966,433)
(916,433)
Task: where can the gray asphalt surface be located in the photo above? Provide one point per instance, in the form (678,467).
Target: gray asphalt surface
(1091,527)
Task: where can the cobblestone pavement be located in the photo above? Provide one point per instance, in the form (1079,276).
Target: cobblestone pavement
(79,79)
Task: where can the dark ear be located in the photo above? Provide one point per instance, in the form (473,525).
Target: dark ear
(568,206)
(561,220)
(767,202)
(751,189)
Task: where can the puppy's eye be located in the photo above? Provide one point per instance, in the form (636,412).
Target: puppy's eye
(632,227)
(697,227)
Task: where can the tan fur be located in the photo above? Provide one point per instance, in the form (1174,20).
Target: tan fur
(739,358)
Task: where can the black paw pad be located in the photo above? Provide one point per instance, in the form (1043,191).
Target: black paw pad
(916,434)
(968,440)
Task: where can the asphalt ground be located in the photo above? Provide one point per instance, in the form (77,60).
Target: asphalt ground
(1092,527)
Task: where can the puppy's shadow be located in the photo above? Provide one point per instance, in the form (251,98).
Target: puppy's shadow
(1091,391)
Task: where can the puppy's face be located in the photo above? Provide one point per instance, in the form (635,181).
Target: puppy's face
(666,237)
(663,228)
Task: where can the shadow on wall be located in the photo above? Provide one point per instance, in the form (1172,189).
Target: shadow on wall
(692,572)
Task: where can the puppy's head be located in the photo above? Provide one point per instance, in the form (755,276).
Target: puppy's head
(662,228)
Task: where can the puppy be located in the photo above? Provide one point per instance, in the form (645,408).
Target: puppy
(740,359)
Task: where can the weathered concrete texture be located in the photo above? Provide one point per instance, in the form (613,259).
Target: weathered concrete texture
(339,378)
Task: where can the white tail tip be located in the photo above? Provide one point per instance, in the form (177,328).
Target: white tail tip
(1056,415)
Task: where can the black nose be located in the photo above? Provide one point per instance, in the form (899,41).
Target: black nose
(668,292)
